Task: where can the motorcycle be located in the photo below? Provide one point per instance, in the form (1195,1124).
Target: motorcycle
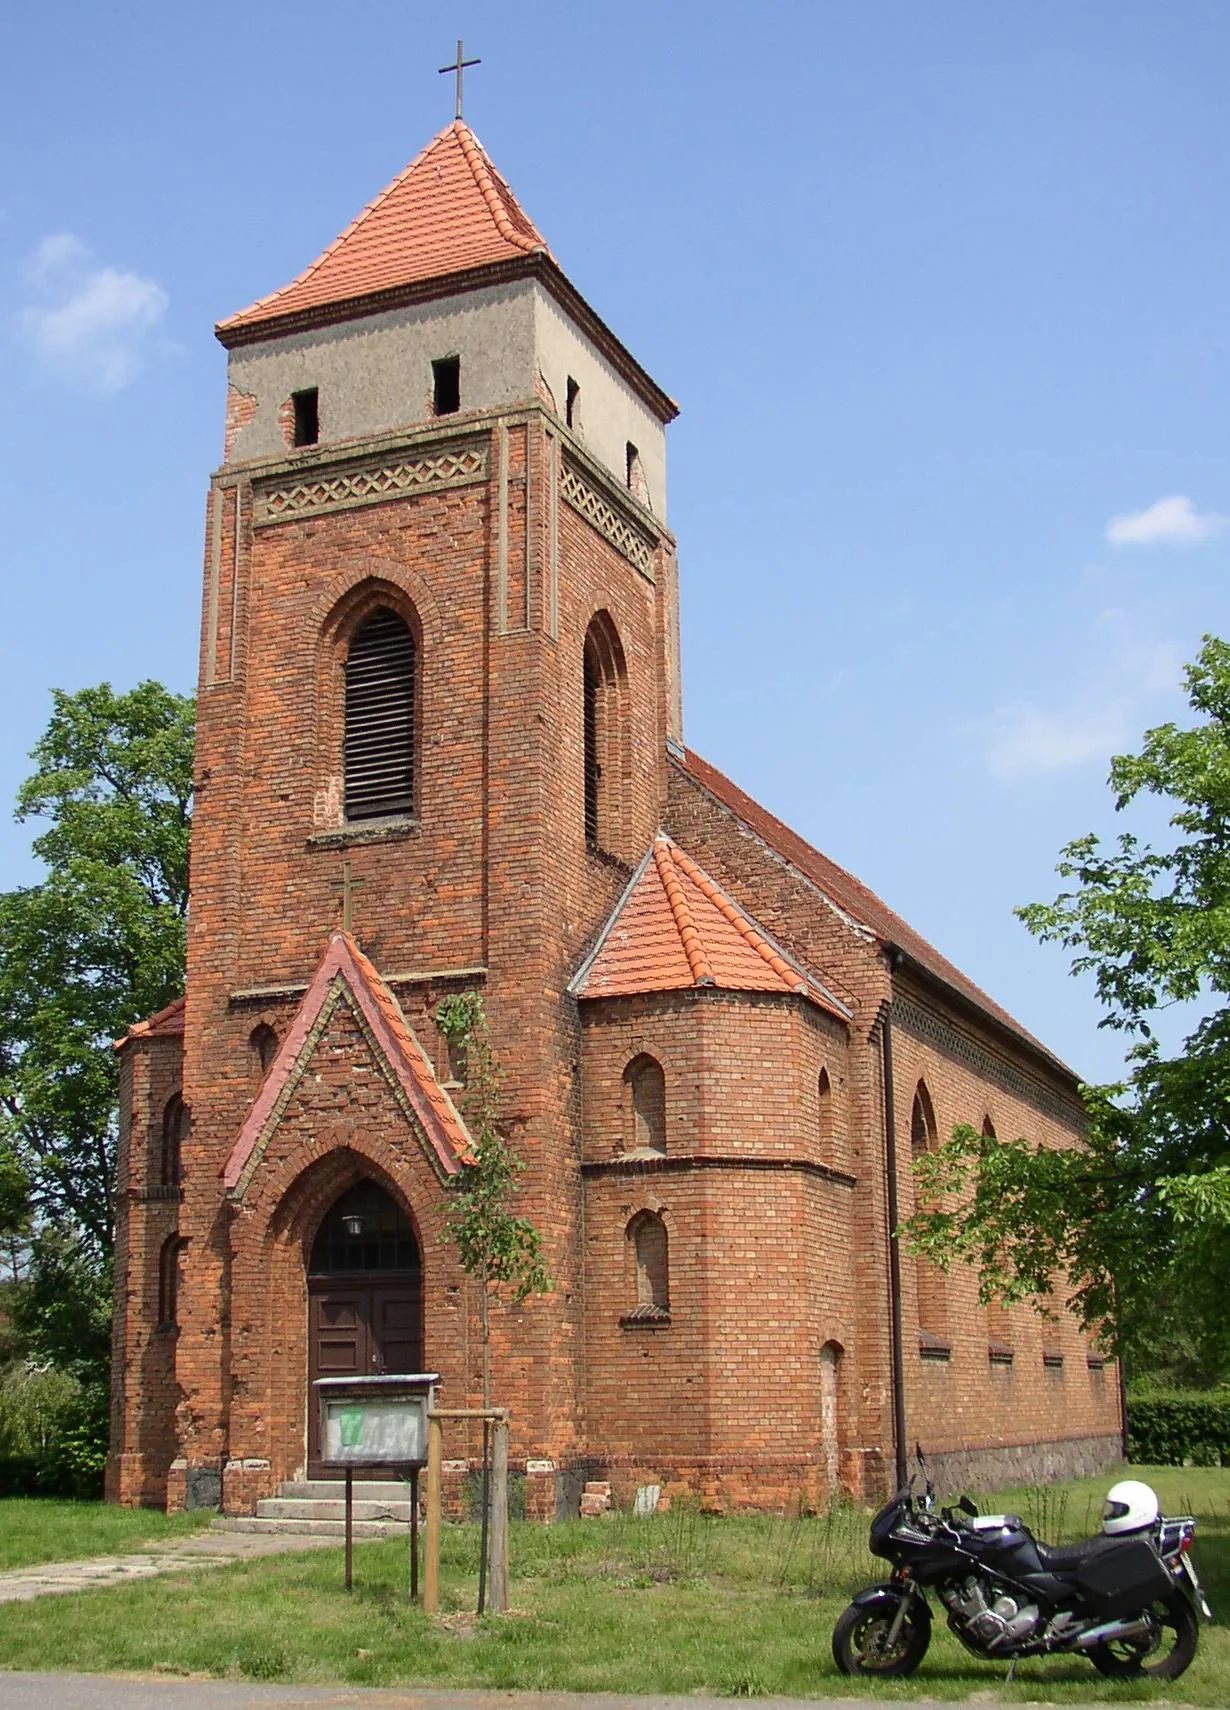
(1126,1600)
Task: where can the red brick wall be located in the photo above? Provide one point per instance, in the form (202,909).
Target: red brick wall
(492,874)
(143,1387)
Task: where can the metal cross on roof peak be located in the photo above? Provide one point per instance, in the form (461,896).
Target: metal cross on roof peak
(458,67)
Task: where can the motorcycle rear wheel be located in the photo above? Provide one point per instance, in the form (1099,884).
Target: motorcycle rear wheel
(860,1640)
(1169,1654)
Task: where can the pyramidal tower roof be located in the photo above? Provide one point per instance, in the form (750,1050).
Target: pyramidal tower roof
(449,211)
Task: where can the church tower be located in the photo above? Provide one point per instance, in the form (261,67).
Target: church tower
(438,675)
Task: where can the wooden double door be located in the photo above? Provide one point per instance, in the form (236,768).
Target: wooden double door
(359,1327)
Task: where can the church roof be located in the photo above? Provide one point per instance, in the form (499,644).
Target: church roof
(674,928)
(344,965)
(854,899)
(168,1023)
(447,212)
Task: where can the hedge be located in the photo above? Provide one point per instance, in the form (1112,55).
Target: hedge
(1180,1427)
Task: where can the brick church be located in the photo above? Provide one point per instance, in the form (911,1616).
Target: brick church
(441,749)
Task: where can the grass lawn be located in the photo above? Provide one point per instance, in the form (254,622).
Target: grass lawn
(46,1529)
(674,1604)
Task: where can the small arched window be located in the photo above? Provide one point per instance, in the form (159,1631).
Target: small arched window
(824,1114)
(168,1283)
(263,1044)
(606,738)
(646,1096)
(174,1133)
(379,738)
(988,1128)
(830,1363)
(931,1282)
(651,1260)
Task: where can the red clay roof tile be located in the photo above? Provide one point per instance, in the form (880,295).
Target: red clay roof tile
(442,1127)
(853,897)
(675,928)
(448,211)
(167,1023)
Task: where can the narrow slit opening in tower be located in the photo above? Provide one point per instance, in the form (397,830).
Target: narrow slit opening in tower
(446,385)
(307,415)
(572,410)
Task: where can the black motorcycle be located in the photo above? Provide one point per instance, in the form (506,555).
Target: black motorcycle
(1125,1602)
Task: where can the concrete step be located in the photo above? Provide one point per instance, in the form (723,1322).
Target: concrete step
(312,1528)
(301,1508)
(334,1489)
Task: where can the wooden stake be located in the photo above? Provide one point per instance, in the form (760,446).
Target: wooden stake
(499,1519)
(435,1495)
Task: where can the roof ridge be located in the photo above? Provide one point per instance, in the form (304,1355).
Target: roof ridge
(853,899)
(689,936)
(484,174)
(329,249)
(732,913)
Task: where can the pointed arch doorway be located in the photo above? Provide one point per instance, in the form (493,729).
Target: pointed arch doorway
(365,1296)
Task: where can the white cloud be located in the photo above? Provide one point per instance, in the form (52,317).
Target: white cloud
(92,324)
(1168,522)
(1102,716)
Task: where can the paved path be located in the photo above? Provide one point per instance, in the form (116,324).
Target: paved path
(197,1550)
(128,1692)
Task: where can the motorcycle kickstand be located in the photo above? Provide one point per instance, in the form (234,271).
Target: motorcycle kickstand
(1011,1671)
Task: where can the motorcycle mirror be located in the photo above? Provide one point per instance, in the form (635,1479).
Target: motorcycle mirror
(968,1507)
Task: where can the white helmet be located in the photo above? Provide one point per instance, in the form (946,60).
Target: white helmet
(1130,1507)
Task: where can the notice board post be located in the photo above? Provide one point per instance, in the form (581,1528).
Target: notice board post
(371,1422)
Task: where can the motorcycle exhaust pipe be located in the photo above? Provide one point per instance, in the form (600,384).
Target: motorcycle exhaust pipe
(1137,1628)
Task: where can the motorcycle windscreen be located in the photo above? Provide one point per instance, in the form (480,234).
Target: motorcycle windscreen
(1118,1581)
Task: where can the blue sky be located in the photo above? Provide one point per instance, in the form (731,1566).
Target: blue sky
(941,290)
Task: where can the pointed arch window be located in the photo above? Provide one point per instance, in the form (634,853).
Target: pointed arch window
(168,1283)
(932,1284)
(605,736)
(174,1133)
(646,1094)
(378,747)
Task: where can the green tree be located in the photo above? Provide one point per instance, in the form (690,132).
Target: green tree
(94,946)
(1139,1217)
(502,1251)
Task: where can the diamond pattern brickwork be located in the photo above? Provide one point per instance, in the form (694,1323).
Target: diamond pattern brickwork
(370,484)
(623,534)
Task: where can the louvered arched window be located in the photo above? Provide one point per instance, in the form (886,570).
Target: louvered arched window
(378,746)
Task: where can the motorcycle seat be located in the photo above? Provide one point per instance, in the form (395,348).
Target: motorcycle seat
(1067,1558)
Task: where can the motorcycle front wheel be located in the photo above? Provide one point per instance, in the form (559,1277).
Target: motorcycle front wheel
(1164,1656)
(860,1640)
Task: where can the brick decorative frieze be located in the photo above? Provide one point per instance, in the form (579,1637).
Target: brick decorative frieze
(933,1030)
(624,535)
(369,484)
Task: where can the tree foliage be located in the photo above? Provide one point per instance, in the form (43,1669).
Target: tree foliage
(502,1251)
(1140,1216)
(97,944)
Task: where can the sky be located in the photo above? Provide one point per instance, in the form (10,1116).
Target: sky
(941,290)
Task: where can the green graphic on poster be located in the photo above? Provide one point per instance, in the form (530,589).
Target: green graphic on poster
(351,1421)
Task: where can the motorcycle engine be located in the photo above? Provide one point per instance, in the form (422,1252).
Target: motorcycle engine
(1002,1621)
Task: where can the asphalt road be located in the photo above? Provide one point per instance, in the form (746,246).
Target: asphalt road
(159,1692)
